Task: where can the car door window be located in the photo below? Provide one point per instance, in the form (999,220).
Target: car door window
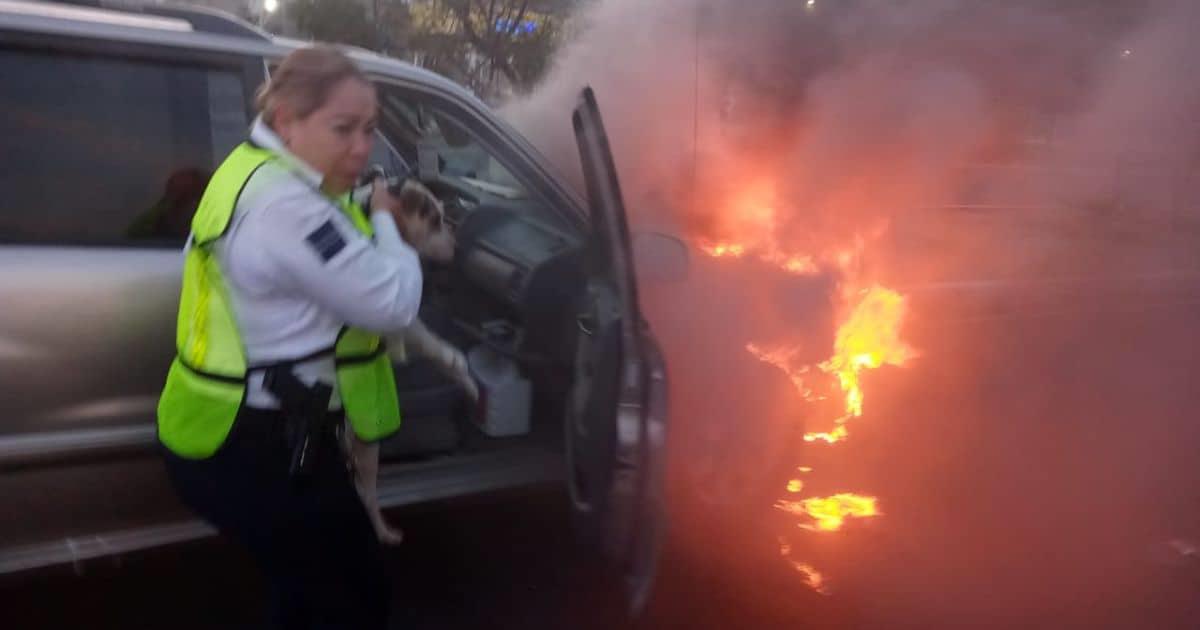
(384,155)
(423,129)
(111,150)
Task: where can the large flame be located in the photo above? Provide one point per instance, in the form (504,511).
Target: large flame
(867,337)
(829,514)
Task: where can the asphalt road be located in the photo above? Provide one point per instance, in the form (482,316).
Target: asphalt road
(503,561)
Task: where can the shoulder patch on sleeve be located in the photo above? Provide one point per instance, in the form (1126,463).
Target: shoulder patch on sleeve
(326,240)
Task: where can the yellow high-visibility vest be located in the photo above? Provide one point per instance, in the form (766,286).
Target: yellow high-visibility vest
(207,380)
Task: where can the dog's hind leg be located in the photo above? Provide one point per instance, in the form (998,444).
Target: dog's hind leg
(366,472)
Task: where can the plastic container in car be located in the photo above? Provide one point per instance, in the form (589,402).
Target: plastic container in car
(504,395)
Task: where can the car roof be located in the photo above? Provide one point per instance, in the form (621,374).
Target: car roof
(169,25)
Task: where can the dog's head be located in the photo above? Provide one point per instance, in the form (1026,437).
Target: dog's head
(423,222)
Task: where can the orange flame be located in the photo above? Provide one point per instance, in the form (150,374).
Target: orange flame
(782,359)
(754,222)
(812,577)
(798,264)
(832,437)
(791,263)
(868,339)
(723,250)
(830,513)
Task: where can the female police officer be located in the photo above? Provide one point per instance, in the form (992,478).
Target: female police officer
(284,296)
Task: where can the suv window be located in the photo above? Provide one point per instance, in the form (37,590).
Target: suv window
(103,150)
(414,123)
(421,128)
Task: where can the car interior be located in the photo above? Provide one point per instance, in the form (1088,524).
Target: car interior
(127,135)
(507,300)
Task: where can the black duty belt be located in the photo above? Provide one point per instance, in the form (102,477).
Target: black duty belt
(306,413)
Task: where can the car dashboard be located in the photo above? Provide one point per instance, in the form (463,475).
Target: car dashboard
(515,279)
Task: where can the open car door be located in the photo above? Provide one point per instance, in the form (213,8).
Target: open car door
(616,416)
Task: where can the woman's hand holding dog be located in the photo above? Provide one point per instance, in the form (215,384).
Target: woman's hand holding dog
(383,200)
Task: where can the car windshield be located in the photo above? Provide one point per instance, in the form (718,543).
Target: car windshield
(420,133)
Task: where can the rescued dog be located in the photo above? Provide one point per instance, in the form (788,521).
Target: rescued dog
(421,222)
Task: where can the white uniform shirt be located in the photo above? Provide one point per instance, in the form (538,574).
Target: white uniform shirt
(298,271)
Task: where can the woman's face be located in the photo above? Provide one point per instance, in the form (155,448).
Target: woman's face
(335,139)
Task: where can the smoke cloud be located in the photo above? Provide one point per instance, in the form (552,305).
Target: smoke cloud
(1026,172)
(866,112)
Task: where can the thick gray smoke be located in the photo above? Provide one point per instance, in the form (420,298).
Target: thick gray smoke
(1026,172)
(866,111)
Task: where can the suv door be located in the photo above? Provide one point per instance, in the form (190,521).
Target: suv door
(616,416)
(108,146)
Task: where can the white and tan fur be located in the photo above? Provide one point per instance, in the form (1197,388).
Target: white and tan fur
(421,221)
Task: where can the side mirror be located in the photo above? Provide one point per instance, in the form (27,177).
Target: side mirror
(660,257)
